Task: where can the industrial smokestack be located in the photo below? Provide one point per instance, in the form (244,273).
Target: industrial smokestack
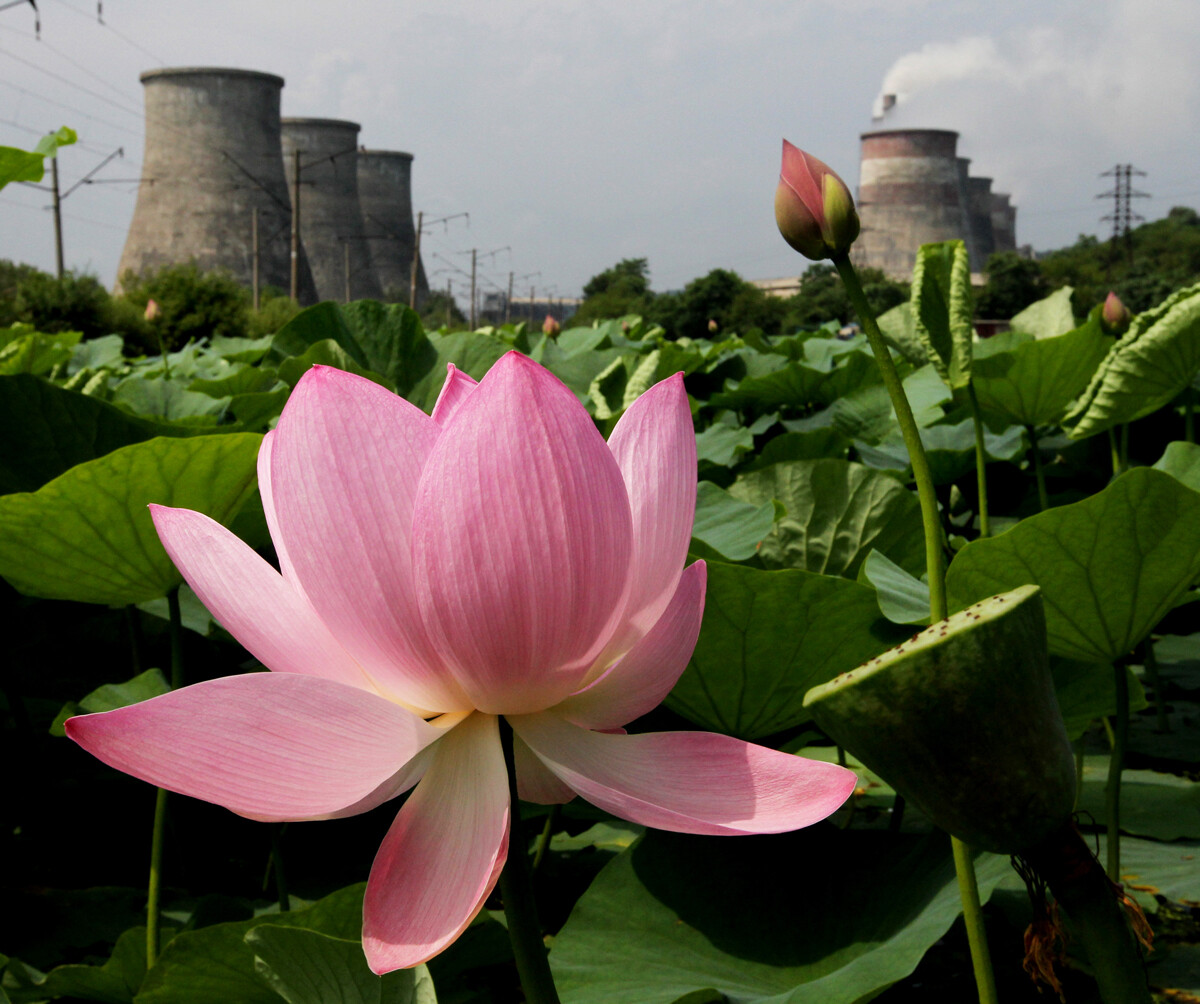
(331,221)
(1004,222)
(385,194)
(212,158)
(884,105)
(909,194)
(979,215)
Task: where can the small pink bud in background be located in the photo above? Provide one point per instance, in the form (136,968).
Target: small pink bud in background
(550,326)
(712,326)
(813,207)
(152,310)
(1115,315)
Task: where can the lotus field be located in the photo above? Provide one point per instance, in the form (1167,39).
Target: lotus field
(366,663)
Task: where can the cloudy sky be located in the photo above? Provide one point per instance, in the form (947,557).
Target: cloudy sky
(579,133)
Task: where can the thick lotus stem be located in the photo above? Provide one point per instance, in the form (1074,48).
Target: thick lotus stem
(1097,910)
(516,889)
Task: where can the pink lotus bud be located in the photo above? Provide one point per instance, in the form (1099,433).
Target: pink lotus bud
(152,310)
(813,207)
(1115,314)
(712,326)
(550,326)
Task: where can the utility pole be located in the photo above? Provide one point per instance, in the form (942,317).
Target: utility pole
(416,262)
(346,266)
(58,240)
(508,299)
(1122,217)
(254,257)
(473,250)
(294,286)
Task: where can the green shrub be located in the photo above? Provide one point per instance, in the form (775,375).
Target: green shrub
(72,303)
(191,304)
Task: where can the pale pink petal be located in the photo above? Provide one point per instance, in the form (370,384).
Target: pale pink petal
(268,504)
(271,746)
(444,852)
(535,783)
(655,446)
(691,782)
(639,681)
(251,600)
(454,391)
(345,462)
(520,540)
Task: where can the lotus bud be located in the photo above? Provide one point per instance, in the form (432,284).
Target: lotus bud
(550,326)
(813,207)
(152,310)
(1115,315)
(712,326)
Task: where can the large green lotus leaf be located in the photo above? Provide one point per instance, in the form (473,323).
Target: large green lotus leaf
(1087,691)
(835,512)
(1154,805)
(902,597)
(723,444)
(49,430)
(814,444)
(1110,567)
(469,351)
(1035,381)
(87,535)
(243,380)
(240,350)
(142,687)
(308,967)
(899,330)
(98,354)
(1182,461)
(115,982)
(731,527)
(578,359)
(630,375)
(942,309)
(820,916)
(385,338)
(950,450)
(867,414)
(1047,317)
(168,400)
(1152,362)
(766,638)
(326,352)
(798,385)
(215,965)
(25,350)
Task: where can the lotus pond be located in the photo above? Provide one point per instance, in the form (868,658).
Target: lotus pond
(815,550)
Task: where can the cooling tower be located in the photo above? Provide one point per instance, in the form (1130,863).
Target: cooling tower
(1004,223)
(212,157)
(385,193)
(979,218)
(970,238)
(331,221)
(909,194)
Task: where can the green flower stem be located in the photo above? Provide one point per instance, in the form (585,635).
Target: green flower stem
(516,889)
(938,609)
(281,888)
(543,844)
(934,563)
(968,892)
(1114,450)
(1150,660)
(159,827)
(1189,422)
(154,887)
(1097,921)
(985,529)
(1038,472)
(1116,761)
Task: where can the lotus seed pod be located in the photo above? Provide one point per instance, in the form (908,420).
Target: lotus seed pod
(963,721)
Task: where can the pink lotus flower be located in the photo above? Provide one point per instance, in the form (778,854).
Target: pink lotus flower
(550,326)
(813,207)
(1115,315)
(497,558)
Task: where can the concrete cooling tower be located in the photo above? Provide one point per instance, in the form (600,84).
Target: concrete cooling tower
(385,194)
(1004,222)
(212,158)
(910,193)
(979,218)
(331,220)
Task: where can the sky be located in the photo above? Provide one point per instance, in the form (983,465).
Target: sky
(579,132)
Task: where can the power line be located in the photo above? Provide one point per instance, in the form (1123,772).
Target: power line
(104,24)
